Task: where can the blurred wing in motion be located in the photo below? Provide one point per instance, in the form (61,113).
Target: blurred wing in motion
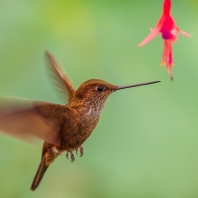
(25,119)
(60,79)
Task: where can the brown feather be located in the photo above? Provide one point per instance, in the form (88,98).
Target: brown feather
(39,174)
(60,79)
(21,119)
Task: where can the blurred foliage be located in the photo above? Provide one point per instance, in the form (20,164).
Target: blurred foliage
(146,144)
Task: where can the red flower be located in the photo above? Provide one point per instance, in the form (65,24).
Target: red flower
(169,30)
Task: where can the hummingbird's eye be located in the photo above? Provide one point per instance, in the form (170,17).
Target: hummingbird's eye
(100,88)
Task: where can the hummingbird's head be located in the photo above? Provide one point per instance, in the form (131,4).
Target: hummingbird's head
(92,94)
(95,90)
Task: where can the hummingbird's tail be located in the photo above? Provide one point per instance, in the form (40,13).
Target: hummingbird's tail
(39,174)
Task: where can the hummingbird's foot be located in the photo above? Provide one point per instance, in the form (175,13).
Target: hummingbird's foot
(71,155)
(81,150)
(67,155)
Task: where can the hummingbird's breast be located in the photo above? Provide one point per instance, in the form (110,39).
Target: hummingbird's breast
(77,126)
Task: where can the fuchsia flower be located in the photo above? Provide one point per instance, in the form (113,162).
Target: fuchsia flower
(169,30)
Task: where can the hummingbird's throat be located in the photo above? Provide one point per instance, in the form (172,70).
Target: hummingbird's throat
(94,108)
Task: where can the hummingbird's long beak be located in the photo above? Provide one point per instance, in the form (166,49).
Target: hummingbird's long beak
(136,85)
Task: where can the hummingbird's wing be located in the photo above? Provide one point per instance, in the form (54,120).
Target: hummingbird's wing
(25,119)
(59,77)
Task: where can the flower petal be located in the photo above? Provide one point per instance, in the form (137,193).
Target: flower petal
(154,32)
(174,34)
(151,36)
(184,33)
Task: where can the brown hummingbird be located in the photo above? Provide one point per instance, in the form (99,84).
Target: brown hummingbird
(64,128)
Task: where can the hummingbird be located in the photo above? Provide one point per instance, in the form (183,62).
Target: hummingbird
(64,128)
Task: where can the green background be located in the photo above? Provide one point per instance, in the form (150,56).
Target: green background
(146,143)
